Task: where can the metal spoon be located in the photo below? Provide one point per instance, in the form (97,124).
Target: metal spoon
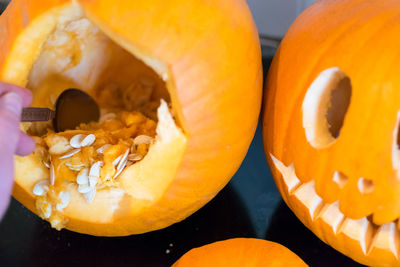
(72,108)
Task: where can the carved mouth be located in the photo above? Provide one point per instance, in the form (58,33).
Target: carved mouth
(367,235)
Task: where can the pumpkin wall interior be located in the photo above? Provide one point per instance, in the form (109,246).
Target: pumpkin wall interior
(123,168)
(78,55)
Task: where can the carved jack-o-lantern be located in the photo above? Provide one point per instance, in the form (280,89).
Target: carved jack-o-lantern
(331,126)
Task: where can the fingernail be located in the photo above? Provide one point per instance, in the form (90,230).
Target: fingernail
(13,102)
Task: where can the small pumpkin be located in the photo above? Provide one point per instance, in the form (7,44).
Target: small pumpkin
(179,84)
(240,252)
(331,126)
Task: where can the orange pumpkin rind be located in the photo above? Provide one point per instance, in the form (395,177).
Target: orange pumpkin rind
(246,252)
(182,47)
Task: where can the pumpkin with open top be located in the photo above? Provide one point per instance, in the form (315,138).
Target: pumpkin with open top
(179,87)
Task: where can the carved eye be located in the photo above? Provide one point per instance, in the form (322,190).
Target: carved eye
(396,146)
(325,106)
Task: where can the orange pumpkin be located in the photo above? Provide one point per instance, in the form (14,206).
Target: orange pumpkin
(145,165)
(240,252)
(331,126)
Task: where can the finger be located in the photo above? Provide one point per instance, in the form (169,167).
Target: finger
(10,113)
(25,94)
(6,179)
(25,145)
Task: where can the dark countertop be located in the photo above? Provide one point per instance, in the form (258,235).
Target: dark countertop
(250,206)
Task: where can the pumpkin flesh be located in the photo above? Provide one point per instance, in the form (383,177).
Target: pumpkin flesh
(76,54)
(181,45)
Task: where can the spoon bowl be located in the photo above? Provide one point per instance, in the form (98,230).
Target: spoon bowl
(72,108)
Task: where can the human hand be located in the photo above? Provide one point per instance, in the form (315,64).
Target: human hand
(12,140)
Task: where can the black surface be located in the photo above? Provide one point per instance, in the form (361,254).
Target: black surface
(250,206)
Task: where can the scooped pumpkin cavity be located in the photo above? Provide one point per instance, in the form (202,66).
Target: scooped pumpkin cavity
(92,156)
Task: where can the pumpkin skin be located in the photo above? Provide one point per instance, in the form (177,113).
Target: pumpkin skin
(358,38)
(208,87)
(249,252)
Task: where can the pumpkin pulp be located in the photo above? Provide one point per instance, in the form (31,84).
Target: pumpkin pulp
(135,132)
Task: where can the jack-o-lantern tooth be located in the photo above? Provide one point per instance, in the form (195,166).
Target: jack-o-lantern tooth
(387,238)
(331,215)
(288,174)
(360,230)
(307,195)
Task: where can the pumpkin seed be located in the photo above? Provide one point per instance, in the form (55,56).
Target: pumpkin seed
(41,188)
(95,169)
(75,141)
(52,175)
(71,153)
(101,149)
(143,139)
(65,199)
(84,188)
(135,157)
(77,167)
(88,140)
(47,211)
(123,160)
(117,160)
(107,117)
(83,177)
(93,181)
(118,173)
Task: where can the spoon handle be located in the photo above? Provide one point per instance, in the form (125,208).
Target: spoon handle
(37,114)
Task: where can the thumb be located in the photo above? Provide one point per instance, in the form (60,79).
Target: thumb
(10,112)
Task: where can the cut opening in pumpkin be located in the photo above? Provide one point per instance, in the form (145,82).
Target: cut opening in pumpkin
(396,146)
(101,170)
(325,106)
